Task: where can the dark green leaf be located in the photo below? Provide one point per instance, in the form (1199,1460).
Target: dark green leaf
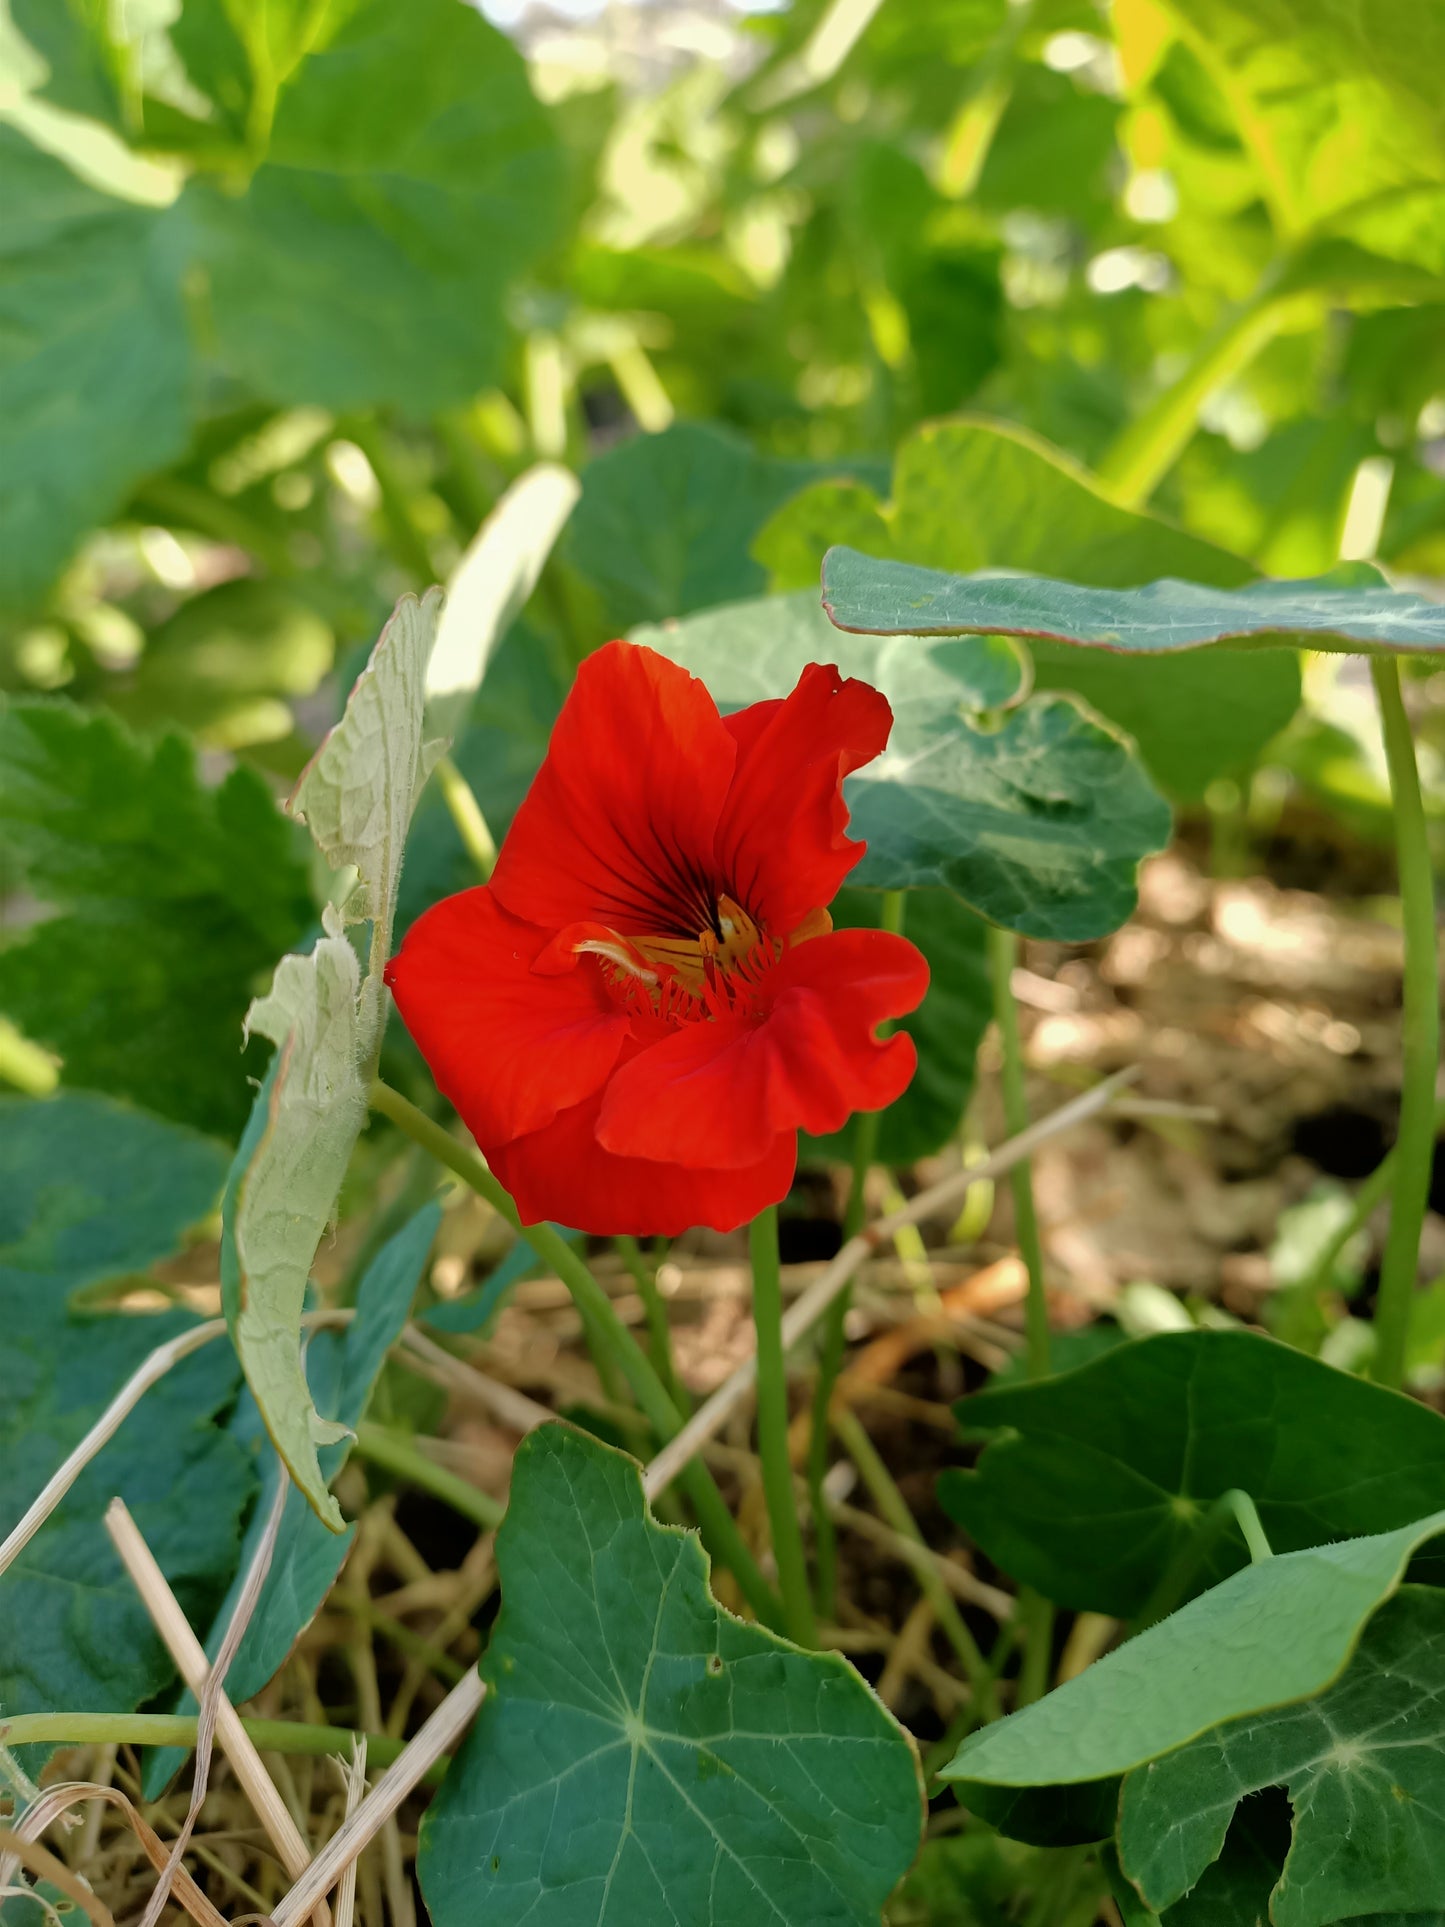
(175,899)
(74,1635)
(1039,824)
(341,1369)
(643,1755)
(1278,1632)
(91,1189)
(976,1879)
(1096,1484)
(978,495)
(1364,1767)
(665,523)
(1340,613)
(409,176)
(94,362)
(947,1026)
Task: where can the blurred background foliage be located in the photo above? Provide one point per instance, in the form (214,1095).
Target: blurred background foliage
(290,293)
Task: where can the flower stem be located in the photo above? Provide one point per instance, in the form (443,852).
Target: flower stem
(179,1729)
(1372,1192)
(719,1528)
(1246,1517)
(832,1345)
(773,1429)
(895,1509)
(466,814)
(658,1330)
(399,1456)
(1002,955)
(1415,1144)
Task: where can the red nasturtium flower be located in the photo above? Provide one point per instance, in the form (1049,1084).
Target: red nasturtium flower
(646,1004)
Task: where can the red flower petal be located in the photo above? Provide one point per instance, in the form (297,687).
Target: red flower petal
(508,1047)
(563,1173)
(619,826)
(782,842)
(720,1092)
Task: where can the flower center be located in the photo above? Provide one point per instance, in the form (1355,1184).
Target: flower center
(717,973)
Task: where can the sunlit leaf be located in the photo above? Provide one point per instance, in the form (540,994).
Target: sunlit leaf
(970,494)
(1342,613)
(1277,1633)
(96,1190)
(641,1754)
(1094,1486)
(1364,1768)
(173,897)
(409,175)
(227,663)
(94,361)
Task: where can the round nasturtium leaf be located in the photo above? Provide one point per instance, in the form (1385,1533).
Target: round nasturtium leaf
(642,1755)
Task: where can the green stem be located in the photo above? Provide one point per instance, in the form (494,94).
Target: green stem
(773,1429)
(895,1509)
(399,1635)
(397,1455)
(834,1338)
(1246,1517)
(1415,1144)
(659,1332)
(719,1528)
(466,814)
(179,1729)
(1002,955)
(1232,1507)
(408,544)
(1148,448)
(167,499)
(1371,1193)
(1036,1615)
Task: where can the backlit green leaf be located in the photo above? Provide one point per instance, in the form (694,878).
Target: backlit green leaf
(870,597)
(174,898)
(94,361)
(665,522)
(970,494)
(1364,1768)
(409,175)
(91,1189)
(1095,1485)
(642,1755)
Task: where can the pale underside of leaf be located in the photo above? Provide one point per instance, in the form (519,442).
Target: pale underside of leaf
(494,578)
(357,793)
(285,1199)
(1278,1632)
(868,596)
